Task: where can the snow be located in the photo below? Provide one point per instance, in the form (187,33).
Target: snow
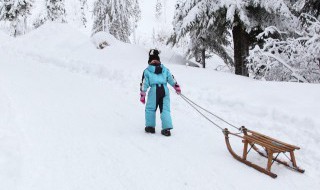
(3,37)
(71,119)
(103,37)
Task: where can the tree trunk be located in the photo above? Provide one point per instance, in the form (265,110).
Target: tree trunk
(241,48)
(203,58)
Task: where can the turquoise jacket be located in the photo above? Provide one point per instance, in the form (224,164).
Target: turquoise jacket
(150,78)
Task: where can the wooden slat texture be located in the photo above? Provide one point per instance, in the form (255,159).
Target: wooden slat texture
(280,142)
(255,140)
(275,143)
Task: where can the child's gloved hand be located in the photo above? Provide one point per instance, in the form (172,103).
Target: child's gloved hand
(177,88)
(142,97)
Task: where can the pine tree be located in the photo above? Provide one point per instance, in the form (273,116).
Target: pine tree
(256,15)
(204,22)
(312,7)
(16,12)
(56,10)
(101,18)
(53,10)
(136,16)
(83,7)
(200,18)
(118,17)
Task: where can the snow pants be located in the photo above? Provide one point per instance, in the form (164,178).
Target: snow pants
(158,96)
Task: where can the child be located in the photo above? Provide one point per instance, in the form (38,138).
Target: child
(156,76)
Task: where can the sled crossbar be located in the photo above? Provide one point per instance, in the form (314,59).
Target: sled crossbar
(271,146)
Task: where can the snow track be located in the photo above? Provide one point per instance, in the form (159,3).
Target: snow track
(71,119)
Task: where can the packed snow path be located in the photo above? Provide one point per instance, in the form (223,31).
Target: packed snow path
(71,119)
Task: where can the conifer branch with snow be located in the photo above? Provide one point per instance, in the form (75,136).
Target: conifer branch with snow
(16,12)
(56,10)
(293,58)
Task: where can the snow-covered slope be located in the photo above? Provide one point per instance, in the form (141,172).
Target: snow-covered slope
(71,119)
(3,37)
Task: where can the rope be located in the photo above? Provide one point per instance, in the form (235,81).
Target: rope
(196,105)
(183,97)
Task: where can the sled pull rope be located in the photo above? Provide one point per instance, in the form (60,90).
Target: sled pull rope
(197,107)
(194,107)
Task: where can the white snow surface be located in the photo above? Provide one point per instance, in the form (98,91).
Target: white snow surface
(71,119)
(3,37)
(103,37)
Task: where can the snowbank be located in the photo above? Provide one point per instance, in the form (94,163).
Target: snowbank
(65,46)
(103,39)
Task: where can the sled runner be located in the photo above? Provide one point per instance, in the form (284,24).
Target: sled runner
(253,139)
(271,147)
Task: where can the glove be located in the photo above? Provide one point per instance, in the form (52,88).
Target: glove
(177,88)
(142,97)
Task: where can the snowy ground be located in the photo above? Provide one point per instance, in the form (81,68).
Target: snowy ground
(71,119)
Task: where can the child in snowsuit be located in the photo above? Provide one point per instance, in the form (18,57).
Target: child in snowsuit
(156,76)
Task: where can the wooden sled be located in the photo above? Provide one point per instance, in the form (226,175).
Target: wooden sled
(271,146)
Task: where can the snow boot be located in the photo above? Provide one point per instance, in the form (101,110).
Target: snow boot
(166,132)
(150,129)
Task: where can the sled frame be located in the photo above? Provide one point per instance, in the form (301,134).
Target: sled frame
(271,147)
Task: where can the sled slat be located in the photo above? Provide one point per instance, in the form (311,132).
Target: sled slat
(273,142)
(280,142)
(255,140)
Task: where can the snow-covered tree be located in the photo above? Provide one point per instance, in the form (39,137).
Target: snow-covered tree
(293,58)
(16,12)
(83,7)
(159,9)
(56,10)
(136,16)
(118,17)
(214,18)
(53,10)
(312,7)
(41,19)
(101,18)
(205,24)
